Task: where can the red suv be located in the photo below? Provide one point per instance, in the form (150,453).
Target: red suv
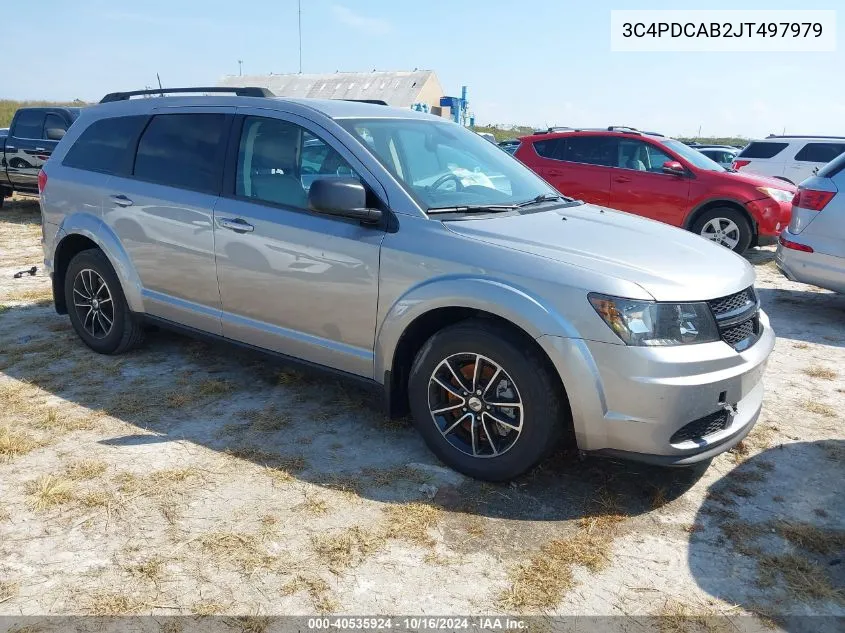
(662,179)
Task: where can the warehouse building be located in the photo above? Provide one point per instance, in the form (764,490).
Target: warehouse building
(403,89)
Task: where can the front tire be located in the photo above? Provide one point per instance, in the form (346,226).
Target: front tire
(486,404)
(725,226)
(97,306)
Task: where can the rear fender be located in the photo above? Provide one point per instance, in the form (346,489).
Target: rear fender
(99,232)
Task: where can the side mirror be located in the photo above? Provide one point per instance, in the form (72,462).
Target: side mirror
(342,197)
(55,133)
(673,167)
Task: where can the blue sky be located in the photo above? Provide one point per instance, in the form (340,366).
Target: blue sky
(538,62)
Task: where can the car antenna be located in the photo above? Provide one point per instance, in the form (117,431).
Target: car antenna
(159,85)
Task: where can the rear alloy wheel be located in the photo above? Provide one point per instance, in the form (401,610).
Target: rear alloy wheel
(97,307)
(725,226)
(486,404)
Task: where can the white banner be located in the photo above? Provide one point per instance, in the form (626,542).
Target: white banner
(741,31)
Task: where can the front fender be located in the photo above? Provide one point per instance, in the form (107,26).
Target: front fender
(513,304)
(97,231)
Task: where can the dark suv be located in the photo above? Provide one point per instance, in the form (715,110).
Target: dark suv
(662,179)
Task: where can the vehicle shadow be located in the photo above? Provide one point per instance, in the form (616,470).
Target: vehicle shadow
(323,431)
(771,536)
(804,315)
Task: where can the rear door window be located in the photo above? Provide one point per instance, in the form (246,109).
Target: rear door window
(762,150)
(592,150)
(29,124)
(183,150)
(106,146)
(820,152)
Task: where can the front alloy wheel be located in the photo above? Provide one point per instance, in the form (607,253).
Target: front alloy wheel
(723,231)
(486,400)
(475,405)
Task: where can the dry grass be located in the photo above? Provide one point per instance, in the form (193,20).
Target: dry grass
(15,443)
(313,506)
(548,575)
(818,371)
(268,419)
(54,421)
(8,590)
(411,522)
(800,346)
(819,408)
(677,617)
(346,548)
(104,603)
(48,491)
(85,469)
(811,537)
(803,579)
(318,591)
(242,552)
(213,387)
(206,608)
(150,569)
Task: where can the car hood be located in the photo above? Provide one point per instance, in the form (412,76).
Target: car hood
(669,263)
(756,180)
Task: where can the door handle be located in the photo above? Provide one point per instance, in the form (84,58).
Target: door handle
(121,200)
(555,172)
(40,149)
(236,224)
(11,147)
(621,179)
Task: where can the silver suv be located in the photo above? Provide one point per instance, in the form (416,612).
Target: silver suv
(404,250)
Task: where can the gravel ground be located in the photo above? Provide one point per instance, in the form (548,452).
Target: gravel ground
(187,478)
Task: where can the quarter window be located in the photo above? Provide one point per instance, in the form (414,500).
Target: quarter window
(278,161)
(820,152)
(182,150)
(550,148)
(762,150)
(106,146)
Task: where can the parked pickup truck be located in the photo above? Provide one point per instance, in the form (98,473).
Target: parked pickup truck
(31,138)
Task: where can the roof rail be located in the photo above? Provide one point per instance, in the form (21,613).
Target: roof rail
(240,92)
(556,128)
(373,101)
(802,136)
(624,128)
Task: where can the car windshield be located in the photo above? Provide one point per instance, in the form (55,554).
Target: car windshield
(693,155)
(443,165)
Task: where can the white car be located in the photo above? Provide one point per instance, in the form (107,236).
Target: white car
(790,158)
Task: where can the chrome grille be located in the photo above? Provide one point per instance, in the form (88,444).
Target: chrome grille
(702,427)
(733,302)
(737,318)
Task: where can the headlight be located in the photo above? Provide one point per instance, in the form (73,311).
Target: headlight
(652,324)
(780,195)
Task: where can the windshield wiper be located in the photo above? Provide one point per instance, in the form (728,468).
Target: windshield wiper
(544,197)
(473,208)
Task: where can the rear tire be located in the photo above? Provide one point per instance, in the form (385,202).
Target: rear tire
(471,432)
(725,226)
(97,306)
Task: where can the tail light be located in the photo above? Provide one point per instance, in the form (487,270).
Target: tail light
(739,164)
(42,180)
(795,246)
(812,199)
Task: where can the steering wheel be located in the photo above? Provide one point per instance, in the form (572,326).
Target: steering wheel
(446,178)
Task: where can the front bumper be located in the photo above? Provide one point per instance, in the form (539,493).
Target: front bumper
(825,271)
(771,217)
(629,401)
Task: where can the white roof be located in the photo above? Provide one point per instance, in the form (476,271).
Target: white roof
(400,89)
